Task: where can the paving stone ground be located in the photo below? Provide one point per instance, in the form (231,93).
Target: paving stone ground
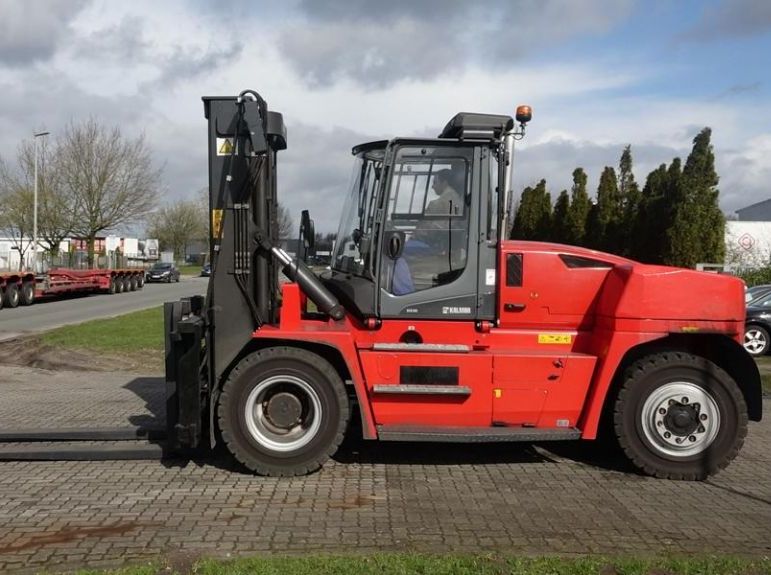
(559,498)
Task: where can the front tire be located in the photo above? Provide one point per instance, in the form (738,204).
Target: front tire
(679,416)
(283,411)
(756,340)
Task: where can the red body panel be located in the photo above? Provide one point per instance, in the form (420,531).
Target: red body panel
(550,359)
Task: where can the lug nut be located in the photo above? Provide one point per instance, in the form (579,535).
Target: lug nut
(663,411)
(659,423)
(667,435)
(692,438)
(703,417)
(684,401)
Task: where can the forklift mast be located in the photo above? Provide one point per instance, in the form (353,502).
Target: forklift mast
(244,140)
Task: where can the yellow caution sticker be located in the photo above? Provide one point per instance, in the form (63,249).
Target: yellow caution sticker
(555,338)
(224,146)
(216,224)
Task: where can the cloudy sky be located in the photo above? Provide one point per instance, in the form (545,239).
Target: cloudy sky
(599,74)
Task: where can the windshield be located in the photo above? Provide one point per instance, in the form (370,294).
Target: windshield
(162,266)
(352,250)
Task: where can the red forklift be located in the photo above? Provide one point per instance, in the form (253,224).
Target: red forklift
(431,326)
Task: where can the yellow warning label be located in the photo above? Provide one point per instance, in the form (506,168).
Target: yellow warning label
(558,338)
(224,146)
(498,393)
(216,224)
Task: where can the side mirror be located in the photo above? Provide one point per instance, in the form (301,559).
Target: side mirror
(307,230)
(394,244)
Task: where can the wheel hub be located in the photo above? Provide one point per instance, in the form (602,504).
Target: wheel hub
(283,413)
(680,419)
(284,410)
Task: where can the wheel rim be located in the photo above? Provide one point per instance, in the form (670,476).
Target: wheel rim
(755,341)
(680,419)
(283,413)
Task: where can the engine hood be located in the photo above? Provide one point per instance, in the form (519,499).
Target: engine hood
(640,291)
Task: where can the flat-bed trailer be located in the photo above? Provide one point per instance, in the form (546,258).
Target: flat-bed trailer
(23,288)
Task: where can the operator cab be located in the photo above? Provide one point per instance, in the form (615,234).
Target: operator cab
(419,228)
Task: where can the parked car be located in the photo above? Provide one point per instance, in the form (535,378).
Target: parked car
(206,270)
(757,326)
(162,272)
(756,292)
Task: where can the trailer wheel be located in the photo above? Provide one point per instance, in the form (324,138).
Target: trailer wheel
(679,416)
(11,295)
(132,283)
(119,285)
(283,411)
(27,293)
(2,297)
(141,281)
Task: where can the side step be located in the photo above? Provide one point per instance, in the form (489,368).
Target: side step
(61,451)
(474,434)
(83,434)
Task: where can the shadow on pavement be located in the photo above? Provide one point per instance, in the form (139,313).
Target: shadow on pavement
(354,449)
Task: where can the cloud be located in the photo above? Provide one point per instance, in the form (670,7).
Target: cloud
(377,44)
(314,171)
(32,31)
(732,19)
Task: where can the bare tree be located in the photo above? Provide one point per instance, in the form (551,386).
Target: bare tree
(16,210)
(284,222)
(176,225)
(57,206)
(111,178)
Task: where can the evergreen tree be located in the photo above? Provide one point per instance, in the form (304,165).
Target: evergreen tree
(630,195)
(652,218)
(681,237)
(579,209)
(594,229)
(542,204)
(524,219)
(560,224)
(700,181)
(533,218)
(609,212)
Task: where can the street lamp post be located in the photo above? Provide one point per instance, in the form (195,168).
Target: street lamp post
(34,208)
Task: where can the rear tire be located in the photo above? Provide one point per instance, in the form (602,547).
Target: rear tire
(11,295)
(27,293)
(141,282)
(283,411)
(119,285)
(679,416)
(132,283)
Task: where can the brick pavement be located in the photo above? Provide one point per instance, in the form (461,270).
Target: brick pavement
(518,498)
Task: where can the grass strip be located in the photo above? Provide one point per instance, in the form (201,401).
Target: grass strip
(461,564)
(136,332)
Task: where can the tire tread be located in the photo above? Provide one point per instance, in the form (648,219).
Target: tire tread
(228,396)
(639,371)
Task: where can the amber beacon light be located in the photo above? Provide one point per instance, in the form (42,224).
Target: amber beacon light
(524,114)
